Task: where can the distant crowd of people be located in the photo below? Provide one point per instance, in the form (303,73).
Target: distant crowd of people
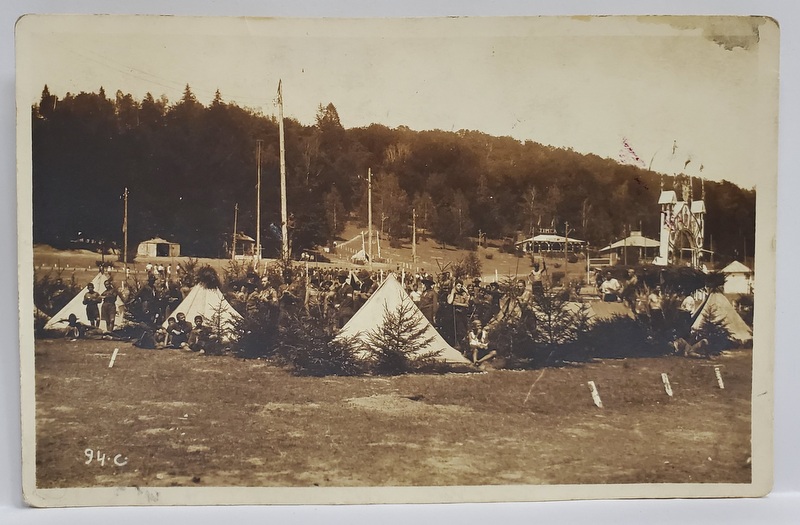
(458,308)
(464,311)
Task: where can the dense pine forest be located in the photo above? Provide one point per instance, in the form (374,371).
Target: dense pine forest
(186,165)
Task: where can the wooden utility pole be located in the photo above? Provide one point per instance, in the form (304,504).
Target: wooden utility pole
(624,246)
(284,215)
(369,214)
(235,227)
(125,230)
(414,235)
(711,243)
(258,203)
(566,248)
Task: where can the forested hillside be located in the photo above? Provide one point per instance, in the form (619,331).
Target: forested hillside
(186,165)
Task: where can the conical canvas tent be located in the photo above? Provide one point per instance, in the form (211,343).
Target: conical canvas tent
(360,257)
(76,306)
(603,311)
(595,311)
(209,303)
(721,308)
(388,297)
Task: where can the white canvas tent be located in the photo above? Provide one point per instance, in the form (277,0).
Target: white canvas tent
(598,310)
(76,306)
(389,296)
(360,257)
(738,278)
(723,309)
(208,303)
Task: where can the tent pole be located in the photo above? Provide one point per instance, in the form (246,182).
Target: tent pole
(125,231)
(369,213)
(258,203)
(284,215)
(235,225)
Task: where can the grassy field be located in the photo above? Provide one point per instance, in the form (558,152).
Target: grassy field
(181,419)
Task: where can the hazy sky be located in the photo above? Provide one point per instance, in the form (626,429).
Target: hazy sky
(707,85)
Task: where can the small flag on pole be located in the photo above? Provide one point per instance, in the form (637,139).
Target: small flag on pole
(628,156)
(279,97)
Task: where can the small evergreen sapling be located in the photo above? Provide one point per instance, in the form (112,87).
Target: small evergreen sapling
(398,345)
(714,329)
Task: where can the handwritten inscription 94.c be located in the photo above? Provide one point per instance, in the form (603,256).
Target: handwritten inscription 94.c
(99,457)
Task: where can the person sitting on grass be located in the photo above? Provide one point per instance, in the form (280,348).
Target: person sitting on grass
(201,339)
(478,341)
(75,328)
(698,350)
(160,335)
(163,334)
(178,333)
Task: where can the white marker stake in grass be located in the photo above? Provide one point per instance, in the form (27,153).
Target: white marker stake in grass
(113,358)
(595,394)
(719,378)
(667,386)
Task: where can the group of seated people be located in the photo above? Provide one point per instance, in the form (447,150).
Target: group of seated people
(180,334)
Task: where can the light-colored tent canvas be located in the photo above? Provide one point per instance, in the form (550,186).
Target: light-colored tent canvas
(738,278)
(359,257)
(76,306)
(598,310)
(208,303)
(601,310)
(723,309)
(388,297)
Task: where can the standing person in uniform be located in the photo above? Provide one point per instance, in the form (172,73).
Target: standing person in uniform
(428,300)
(92,301)
(109,308)
(459,299)
(537,278)
(629,291)
(344,300)
(610,289)
(686,315)
(654,305)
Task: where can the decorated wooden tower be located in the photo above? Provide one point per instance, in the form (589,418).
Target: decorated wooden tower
(682,225)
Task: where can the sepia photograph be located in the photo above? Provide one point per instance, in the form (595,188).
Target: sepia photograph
(465,259)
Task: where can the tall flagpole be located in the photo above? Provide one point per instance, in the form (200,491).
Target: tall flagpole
(235,226)
(369,213)
(414,236)
(258,204)
(284,215)
(125,231)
